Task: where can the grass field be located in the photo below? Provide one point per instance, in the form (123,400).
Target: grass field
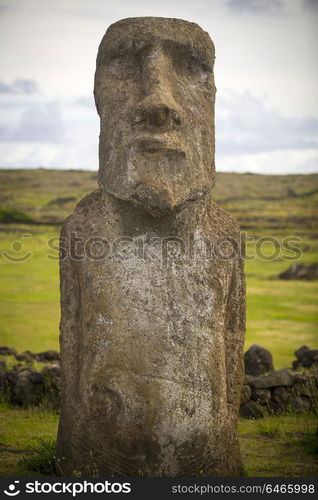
(274,446)
(281,315)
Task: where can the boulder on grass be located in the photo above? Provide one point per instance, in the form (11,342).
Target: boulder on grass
(28,388)
(7,351)
(258,361)
(300,272)
(280,378)
(299,404)
(46,356)
(310,358)
(301,352)
(280,395)
(261,396)
(26,356)
(251,410)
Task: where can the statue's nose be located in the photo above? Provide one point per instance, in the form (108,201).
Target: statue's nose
(157,108)
(157,112)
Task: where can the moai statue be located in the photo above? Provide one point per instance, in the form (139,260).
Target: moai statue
(152,283)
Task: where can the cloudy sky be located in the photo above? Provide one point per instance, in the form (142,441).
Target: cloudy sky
(266,74)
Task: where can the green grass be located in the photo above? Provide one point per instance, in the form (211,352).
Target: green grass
(41,459)
(281,315)
(283,446)
(29,292)
(7,215)
(275,199)
(11,361)
(20,431)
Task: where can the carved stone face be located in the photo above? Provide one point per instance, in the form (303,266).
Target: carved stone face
(155,93)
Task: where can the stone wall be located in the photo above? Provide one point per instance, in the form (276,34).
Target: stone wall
(28,379)
(266,390)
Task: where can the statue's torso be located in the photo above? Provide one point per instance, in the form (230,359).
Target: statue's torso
(152,346)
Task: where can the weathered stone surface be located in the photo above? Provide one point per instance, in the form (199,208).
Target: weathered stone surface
(309,358)
(245,394)
(258,361)
(280,395)
(301,390)
(296,365)
(300,272)
(46,356)
(299,404)
(53,371)
(28,388)
(279,378)
(261,396)
(248,379)
(152,289)
(276,407)
(251,410)
(301,351)
(7,351)
(25,356)
(300,378)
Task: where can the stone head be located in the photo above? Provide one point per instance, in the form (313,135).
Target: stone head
(154,93)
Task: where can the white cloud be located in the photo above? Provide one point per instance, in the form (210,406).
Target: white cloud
(310,4)
(52,135)
(86,101)
(40,123)
(19,86)
(256,6)
(250,136)
(276,162)
(263,48)
(244,124)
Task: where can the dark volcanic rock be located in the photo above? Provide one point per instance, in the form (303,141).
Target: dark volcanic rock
(251,410)
(296,364)
(258,361)
(276,407)
(261,396)
(25,356)
(280,395)
(46,356)
(245,394)
(300,272)
(25,392)
(301,352)
(309,358)
(276,379)
(7,351)
(300,404)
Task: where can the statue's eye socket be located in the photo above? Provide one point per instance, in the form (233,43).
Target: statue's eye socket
(121,66)
(191,68)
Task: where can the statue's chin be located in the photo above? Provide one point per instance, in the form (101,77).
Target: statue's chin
(156,201)
(159,202)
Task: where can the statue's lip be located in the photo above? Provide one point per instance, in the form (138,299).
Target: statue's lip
(150,143)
